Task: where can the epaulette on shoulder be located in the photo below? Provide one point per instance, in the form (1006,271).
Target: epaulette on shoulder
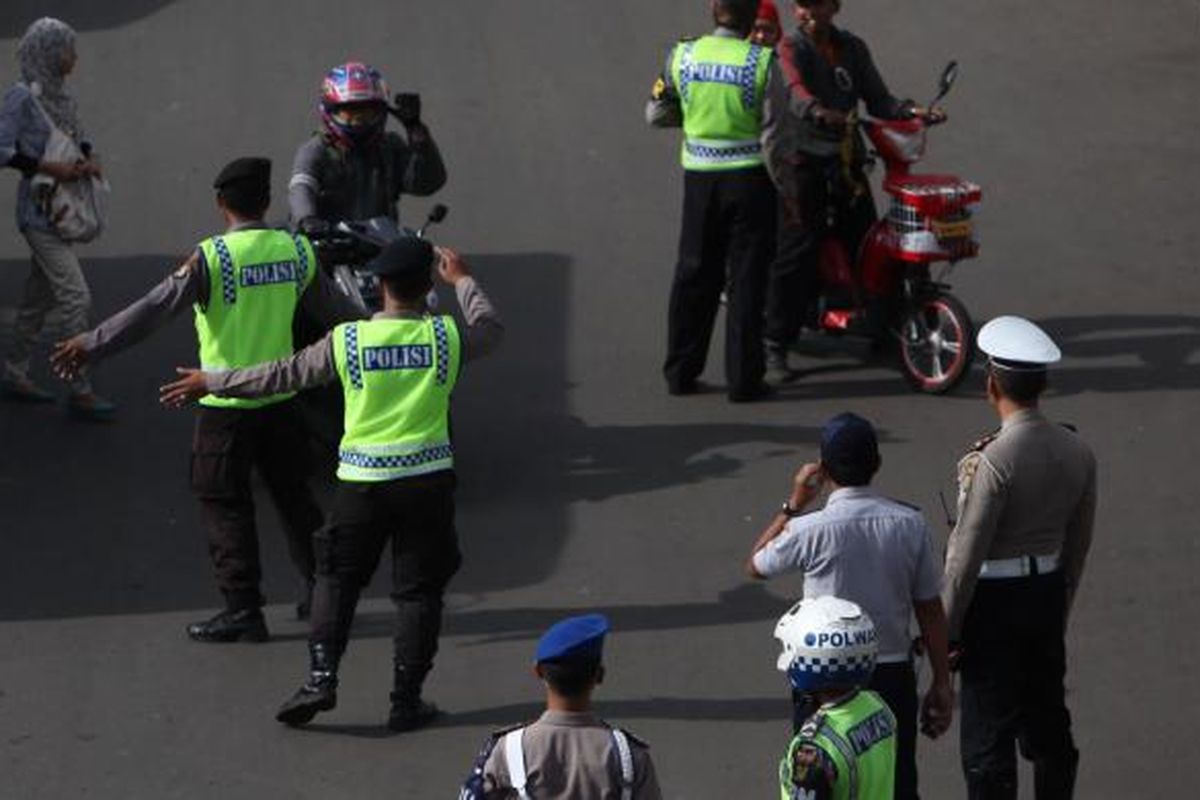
(633,737)
(984,441)
(500,732)
(688,39)
(808,731)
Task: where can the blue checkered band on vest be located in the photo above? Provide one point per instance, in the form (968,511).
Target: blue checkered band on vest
(427,455)
(302,264)
(685,69)
(717,153)
(228,280)
(749,74)
(352,366)
(443,350)
(744,77)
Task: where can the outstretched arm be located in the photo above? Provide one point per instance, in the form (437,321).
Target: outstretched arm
(186,285)
(312,366)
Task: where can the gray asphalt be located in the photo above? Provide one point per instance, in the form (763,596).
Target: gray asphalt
(583,485)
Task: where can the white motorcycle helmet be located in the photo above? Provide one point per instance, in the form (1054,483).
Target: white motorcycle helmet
(827,643)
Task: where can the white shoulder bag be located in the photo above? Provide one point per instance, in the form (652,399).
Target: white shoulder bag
(76,208)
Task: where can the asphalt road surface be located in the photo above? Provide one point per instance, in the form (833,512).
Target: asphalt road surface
(584,486)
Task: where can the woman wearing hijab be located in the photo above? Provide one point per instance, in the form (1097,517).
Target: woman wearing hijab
(45,56)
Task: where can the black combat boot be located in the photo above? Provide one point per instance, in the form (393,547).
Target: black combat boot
(240,625)
(409,711)
(318,693)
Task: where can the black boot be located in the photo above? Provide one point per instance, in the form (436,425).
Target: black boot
(241,625)
(318,693)
(409,711)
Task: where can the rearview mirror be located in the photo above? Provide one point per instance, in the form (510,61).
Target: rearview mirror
(949,75)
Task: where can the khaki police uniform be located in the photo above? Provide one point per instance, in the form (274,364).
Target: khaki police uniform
(1027,496)
(565,755)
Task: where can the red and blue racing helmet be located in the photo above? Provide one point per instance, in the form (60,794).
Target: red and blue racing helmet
(354,103)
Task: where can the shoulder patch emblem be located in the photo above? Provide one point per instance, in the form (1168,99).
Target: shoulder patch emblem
(659,89)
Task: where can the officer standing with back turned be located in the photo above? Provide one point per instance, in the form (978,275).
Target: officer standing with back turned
(396,477)
(568,752)
(245,286)
(730,99)
(1027,497)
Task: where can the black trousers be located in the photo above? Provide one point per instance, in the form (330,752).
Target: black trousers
(897,685)
(229,443)
(417,516)
(1013,665)
(726,243)
(794,277)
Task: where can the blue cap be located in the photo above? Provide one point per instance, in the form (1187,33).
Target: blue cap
(849,441)
(574,637)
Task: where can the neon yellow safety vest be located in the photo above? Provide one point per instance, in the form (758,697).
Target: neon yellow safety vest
(720,81)
(397,376)
(255,279)
(860,736)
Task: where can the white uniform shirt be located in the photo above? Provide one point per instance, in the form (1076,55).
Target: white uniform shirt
(864,548)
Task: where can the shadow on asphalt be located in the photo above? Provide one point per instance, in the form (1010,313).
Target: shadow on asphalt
(1162,352)
(749,602)
(749,709)
(82,15)
(99,519)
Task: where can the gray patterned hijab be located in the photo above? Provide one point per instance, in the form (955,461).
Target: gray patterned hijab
(40,55)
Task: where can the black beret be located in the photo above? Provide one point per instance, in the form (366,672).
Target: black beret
(257,170)
(407,255)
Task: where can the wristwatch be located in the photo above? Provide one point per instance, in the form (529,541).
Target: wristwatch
(789,511)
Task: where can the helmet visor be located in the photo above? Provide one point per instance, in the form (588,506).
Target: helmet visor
(358,115)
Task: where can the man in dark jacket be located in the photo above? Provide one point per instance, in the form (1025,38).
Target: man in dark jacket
(829,71)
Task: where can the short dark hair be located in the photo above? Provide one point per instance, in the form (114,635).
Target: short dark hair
(246,198)
(408,287)
(736,14)
(571,677)
(1021,386)
(852,473)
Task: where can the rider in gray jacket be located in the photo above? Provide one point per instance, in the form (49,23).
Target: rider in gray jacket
(353,168)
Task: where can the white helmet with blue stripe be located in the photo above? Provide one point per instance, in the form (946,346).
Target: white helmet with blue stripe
(827,643)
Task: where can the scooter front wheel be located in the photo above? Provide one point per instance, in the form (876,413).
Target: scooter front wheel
(937,342)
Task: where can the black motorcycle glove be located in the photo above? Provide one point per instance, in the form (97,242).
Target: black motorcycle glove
(408,109)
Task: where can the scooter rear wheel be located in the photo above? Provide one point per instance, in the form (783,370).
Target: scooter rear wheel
(937,343)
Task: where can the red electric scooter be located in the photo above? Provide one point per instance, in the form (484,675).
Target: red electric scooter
(888,293)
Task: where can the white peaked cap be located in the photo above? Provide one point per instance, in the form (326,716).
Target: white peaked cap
(1017,339)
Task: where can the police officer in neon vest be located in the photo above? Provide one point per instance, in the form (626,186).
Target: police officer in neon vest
(730,99)
(846,750)
(396,465)
(245,286)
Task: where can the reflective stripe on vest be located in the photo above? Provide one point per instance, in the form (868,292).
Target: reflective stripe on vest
(721,83)
(397,376)
(255,279)
(859,736)
(518,779)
